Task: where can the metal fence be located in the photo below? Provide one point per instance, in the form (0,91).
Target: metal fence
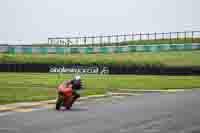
(124,39)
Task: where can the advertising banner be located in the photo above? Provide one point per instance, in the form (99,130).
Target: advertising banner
(78,69)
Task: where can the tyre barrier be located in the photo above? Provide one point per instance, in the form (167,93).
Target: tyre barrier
(14,49)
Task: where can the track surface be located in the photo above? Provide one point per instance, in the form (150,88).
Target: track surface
(148,113)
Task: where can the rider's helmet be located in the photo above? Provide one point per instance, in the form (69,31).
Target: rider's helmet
(77,77)
(77,82)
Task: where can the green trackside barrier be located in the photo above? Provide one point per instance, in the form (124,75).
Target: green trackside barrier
(195,47)
(81,50)
(131,48)
(147,48)
(67,50)
(11,50)
(154,48)
(118,50)
(44,51)
(124,49)
(187,46)
(27,50)
(60,51)
(74,50)
(198,46)
(140,48)
(181,47)
(151,48)
(103,50)
(165,47)
(173,47)
(89,50)
(177,47)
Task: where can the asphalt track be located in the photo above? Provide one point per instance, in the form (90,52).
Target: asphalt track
(148,113)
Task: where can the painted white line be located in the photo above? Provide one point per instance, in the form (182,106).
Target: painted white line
(8,129)
(6,113)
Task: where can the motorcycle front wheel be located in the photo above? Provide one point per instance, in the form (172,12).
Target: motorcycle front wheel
(59,103)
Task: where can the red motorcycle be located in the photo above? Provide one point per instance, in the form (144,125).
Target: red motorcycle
(65,96)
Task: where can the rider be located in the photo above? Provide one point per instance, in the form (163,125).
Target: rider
(76,85)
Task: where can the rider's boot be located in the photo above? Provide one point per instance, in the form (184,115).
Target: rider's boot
(74,99)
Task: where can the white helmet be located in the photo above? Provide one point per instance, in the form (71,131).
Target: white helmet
(77,77)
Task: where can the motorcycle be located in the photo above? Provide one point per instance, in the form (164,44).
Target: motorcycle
(65,97)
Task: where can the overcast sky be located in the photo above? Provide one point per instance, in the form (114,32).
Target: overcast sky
(36,20)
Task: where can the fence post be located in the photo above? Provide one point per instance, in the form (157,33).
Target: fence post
(49,41)
(109,40)
(85,40)
(155,36)
(117,39)
(177,37)
(140,36)
(93,41)
(192,36)
(77,41)
(185,36)
(100,40)
(125,38)
(163,36)
(132,36)
(67,40)
(148,35)
(170,37)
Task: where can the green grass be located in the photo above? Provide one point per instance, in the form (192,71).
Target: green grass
(180,58)
(20,87)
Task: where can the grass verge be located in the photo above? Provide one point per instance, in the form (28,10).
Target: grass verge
(181,58)
(21,87)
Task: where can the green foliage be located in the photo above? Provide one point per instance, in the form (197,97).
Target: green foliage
(180,58)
